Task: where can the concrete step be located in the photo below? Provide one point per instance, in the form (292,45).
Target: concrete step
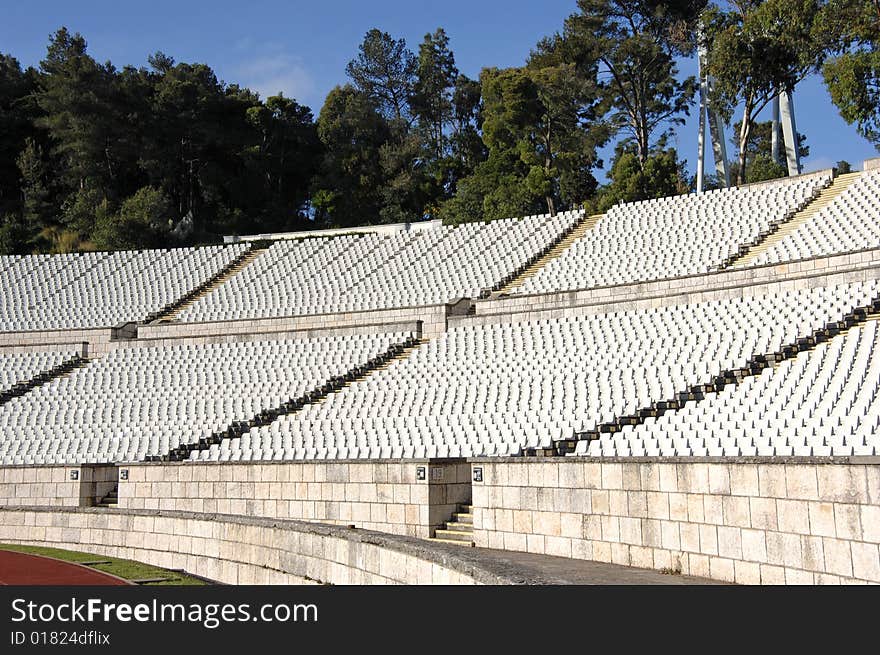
(463,517)
(580,229)
(456,535)
(455,526)
(466,509)
(457,542)
(221,278)
(825,198)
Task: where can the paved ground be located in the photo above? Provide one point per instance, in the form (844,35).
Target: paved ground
(25,569)
(545,569)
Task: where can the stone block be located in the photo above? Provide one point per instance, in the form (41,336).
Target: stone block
(822,519)
(793,516)
(870,521)
(736,511)
(772,575)
(678,508)
(747,573)
(743,479)
(631,530)
(866,561)
(784,549)
(838,556)
(763,513)
(754,546)
(690,537)
(842,483)
(658,505)
(801,482)
(708,539)
(847,521)
(729,542)
(722,569)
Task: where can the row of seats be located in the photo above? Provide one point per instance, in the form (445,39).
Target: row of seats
(18,368)
(373,271)
(101,289)
(674,236)
(136,403)
(850,222)
(825,402)
(483,390)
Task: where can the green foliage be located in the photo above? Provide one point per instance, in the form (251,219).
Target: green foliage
(142,222)
(853,75)
(385,71)
(660,176)
(541,142)
(630,46)
(759,50)
(17,111)
(760,166)
(346,189)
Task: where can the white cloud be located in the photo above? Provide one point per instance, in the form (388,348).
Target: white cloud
(276,72)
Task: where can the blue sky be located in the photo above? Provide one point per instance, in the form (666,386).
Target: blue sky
(302,48)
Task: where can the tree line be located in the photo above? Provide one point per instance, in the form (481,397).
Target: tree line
(92,156)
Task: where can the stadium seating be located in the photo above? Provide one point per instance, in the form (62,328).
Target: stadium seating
(850,222)
(373,271)
(824,402)
(674,236)
(499,389)
(101,289)
(140,402)
(18,368)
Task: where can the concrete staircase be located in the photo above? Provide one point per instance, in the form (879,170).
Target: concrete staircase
(111,498)
(267,416)
(171,311)
(458,531)
(753,366)
(747,255)
(552,253)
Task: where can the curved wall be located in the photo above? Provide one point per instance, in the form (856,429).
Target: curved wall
(243,550)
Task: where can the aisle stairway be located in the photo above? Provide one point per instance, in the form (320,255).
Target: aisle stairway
(267,416)
(754,366)
(579,230)
(749,253)
(111,498)
(460,530)
(63,369)
(171,311)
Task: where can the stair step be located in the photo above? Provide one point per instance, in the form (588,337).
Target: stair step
(457,542)
(454,534)
(826,196)
(454,526)
(586,223)
(467,509)
(463,517)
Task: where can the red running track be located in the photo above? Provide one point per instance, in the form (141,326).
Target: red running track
(24,569)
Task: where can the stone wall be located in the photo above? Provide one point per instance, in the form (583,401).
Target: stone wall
(734,283)
(55,486)
(432,317)
(751,521)
(237,336)
(383,495)
(80,347)
(241,550)
(98,338)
